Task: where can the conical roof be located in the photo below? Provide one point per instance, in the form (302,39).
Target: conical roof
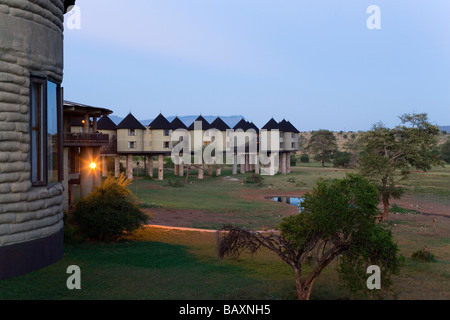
(177,124)
(160,123)
(243,124)
(219,124)
(205,124)
(105,123)
(271,125)
(130,122)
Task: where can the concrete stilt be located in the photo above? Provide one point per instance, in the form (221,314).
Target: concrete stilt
(97,171)
(86,172)
(104,166)
(234,172)
(243,168)
(283,163)
(160,167)
(288,163)
(129,166)
(257,164)
(200,171)
(181,169)
(150,166)
(117,166)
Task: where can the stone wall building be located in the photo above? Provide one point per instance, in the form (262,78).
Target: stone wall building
(31,171)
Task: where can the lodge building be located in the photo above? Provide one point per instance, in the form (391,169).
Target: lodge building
(155,141)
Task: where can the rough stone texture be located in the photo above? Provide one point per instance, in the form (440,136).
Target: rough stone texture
(31,41)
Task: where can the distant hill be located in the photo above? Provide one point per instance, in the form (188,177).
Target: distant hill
(445,128)
(231,121)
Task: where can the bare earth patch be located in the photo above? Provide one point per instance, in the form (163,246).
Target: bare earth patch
(423,205)
(188,218)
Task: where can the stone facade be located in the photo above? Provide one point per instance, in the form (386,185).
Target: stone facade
(31,42)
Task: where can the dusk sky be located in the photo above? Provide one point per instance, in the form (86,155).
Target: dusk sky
(314,62)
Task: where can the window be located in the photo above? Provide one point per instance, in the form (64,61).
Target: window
(293,145)
(52,133)
(166,132)
(131,132)
(132,145)
(45,131)
(281,145)
(166,145)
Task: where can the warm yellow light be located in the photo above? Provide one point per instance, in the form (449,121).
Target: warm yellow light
(93,165)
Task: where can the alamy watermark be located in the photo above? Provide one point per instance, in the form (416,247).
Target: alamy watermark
(374,281)
(73,18)
(74,281)
(374,20)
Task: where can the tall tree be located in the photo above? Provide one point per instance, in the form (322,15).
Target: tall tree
(445,151)
(337,219)
(322,144)
(387,155)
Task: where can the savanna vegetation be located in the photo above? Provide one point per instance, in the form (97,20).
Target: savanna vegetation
(153,262)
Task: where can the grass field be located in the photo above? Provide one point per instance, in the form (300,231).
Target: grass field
(161,264)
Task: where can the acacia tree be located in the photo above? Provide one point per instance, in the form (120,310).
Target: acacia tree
(323,144)
(387,155)
(337,218)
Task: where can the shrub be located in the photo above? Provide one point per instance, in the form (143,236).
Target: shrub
(254,178)
(293,161)
(341,159)
(108,211)
(424,255)
(304,158)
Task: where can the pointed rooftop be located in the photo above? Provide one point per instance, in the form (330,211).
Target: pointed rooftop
(130,122)
(205,124)
(177,124)
(219,124)
(271,125)
(105,123)
(243,124)
(292,128)
(160,123)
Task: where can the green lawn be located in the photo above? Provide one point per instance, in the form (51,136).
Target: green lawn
(159,264)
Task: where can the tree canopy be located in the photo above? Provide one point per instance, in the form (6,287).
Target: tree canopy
(337,218)
(387,155)
(322,144)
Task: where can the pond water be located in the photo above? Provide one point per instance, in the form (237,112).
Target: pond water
(295,201)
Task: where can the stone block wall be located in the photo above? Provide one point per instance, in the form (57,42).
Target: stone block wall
(31,41)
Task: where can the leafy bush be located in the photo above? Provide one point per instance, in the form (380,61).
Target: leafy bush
(293,161)
(341,159)
(304,158)
(424,255)
(108,211)
(254,178)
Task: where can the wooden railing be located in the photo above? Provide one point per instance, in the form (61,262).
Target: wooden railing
(85,139)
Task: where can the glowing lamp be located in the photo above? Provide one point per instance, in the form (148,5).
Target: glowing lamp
(93,165)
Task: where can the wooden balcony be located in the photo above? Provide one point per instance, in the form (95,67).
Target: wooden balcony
(85,139)
(110,148)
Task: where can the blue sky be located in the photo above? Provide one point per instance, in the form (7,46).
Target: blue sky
(313,62)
